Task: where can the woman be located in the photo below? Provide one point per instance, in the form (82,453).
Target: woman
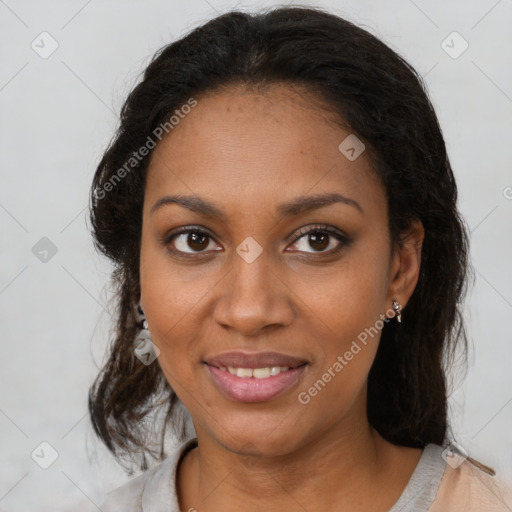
(290,261)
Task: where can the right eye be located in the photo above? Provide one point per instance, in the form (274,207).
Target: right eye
(189,240)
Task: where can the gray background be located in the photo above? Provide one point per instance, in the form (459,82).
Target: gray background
(57,116)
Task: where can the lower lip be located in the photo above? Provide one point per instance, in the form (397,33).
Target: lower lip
(250,389)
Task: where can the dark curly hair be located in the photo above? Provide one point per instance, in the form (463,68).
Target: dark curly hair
(383,100)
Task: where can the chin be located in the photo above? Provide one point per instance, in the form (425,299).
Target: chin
(258,436)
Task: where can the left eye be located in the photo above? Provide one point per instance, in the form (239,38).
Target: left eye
(323,240)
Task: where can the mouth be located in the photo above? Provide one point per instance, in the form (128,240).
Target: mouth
(256,373)
(256,377)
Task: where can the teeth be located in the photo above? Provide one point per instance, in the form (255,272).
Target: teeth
(261,373)
(257,373)
(243,372)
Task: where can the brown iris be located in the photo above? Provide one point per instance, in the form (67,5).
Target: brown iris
(318,241)
(200,241)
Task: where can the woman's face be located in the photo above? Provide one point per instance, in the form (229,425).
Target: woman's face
(249,279)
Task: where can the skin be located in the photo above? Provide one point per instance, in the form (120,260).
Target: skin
(247,153)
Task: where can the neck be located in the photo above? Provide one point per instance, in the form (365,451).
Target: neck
(338,470)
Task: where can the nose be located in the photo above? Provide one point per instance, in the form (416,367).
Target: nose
(255,297)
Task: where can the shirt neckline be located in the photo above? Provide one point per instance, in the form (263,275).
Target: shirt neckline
(161,493)
(421,489)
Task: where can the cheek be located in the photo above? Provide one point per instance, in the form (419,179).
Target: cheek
(172,308)
(346,299)
(169,300)
(348,307)
(171,292)
(345,355)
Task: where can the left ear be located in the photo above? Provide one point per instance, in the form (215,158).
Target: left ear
(405,267)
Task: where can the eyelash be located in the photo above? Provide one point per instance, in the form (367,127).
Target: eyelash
(319,228)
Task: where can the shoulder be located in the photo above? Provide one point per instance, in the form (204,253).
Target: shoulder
(127,497)
(155,484)
(467,488)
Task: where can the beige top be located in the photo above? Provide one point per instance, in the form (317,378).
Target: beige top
(434,486)
(468,488)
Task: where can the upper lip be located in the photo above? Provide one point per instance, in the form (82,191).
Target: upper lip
(254,360)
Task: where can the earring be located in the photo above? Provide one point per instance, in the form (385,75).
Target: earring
(398,308)
(144,348)
(140,316)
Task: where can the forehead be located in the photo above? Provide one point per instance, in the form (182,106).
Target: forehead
(241,149)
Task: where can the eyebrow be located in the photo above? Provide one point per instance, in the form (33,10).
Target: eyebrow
(294,207)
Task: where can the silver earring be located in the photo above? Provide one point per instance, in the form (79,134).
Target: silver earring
(140,316)
(398,308)
(144,348)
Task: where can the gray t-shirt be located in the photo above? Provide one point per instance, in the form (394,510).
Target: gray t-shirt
(155,489)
